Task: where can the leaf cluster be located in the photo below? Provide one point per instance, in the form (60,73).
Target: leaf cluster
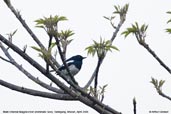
(10,35)
(110,19)
(157,84)
(121,11)
(49,24)
(169,21)
(99,93)
(100,48)
(43,53)
(139,32)
(64,35)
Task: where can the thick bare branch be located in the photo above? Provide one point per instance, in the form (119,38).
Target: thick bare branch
(35,92)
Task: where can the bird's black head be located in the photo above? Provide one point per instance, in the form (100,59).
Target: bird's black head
(77,58)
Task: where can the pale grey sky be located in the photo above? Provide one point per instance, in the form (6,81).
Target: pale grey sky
(127,72)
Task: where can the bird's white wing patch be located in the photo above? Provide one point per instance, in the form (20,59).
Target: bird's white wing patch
(74,70)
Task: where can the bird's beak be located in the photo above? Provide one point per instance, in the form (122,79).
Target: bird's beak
(84,57)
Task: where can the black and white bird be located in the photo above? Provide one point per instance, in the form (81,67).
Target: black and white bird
(74,65)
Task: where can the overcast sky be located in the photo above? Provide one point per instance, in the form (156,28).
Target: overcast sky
(127,72)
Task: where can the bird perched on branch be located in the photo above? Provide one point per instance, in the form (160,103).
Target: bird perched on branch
(74,65)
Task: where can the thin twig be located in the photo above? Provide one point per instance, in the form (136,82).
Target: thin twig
(134,105)
(47,61)
(5,59)
(146,46)
(96,77)
(164,95)
(116,30)
(64,62)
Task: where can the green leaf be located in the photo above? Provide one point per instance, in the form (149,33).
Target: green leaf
(169,21)
(132,30)
(67,33)
(91,89)
(102,89)
(169,12)
(36,48)
(12,34)
(90,50)
(144,28)
(41,55)
(116,7)
(168,30)
(40,21)
(154,82)
(134,27)
(60,18)
(105,85)
(161,82)
(106,17)
(136,24)
(114,47)
(100,47)
(40,26)
(53,45)
(49,24)
(121,10)
(69,41)
(125,33)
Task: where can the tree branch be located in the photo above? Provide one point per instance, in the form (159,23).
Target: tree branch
(35,92)
(47,63)
(30,76)
(64,62)
(164,95)
(116,30)
(134,106)
(83,97)
(22,21)
(5,59)
(96,77)
(112,39)
(146,46)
